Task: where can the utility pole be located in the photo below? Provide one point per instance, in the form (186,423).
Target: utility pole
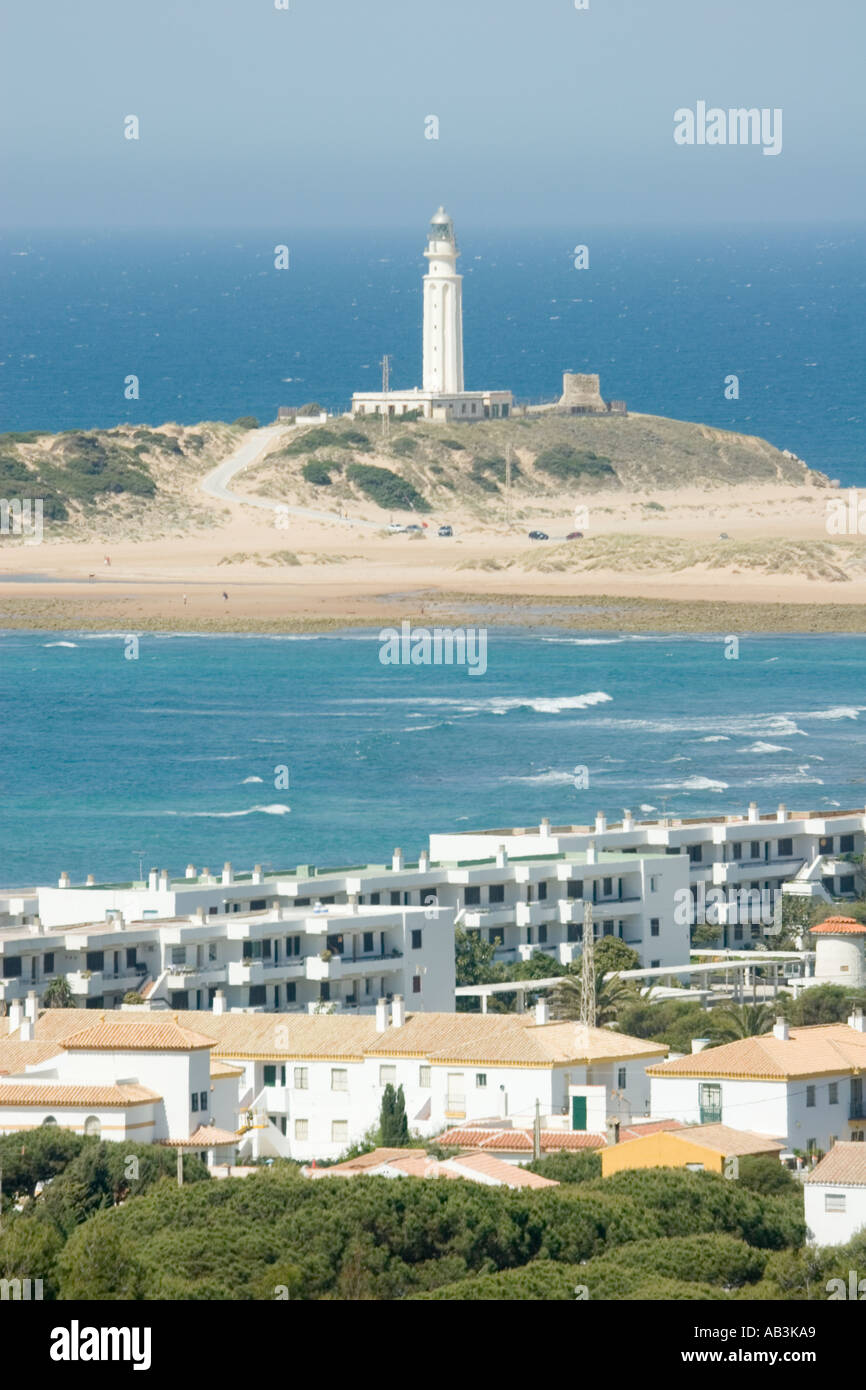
(508,452)
(386,376)
(536,1133)
(587,969)
(180,1167)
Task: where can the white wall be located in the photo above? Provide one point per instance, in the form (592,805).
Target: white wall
(833,1227)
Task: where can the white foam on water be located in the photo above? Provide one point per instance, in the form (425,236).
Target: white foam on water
(251,779)
(760,747)
(277,809)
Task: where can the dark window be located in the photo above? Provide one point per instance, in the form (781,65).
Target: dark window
(395,897)
(494,936)
(736,851)
(132,958)
(472,897)
(846,884)
(266,948)
(258,995)
(607,887)
(738,933)
(202,1100)
(786,849)
(696,853)
(654,926)
(195,1100)
(810,1097)
(825,844)
(367,942)
(302,902)
(846,844)
(542,892)
(654,964)
(416,939)
(497,893)
(542,933)
(416,984)
(574,888)
(375,899)
(325,990)
(833,1098)
(48,963)
(11,967)
(276,996)
(291,991)
(608,928)
(258,904)
(575,931)
(755,849)
(95,960)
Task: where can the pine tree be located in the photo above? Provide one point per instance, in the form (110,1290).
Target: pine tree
(393,1124)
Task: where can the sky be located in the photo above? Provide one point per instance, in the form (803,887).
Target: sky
(315,116)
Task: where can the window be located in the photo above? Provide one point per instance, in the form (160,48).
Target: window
(574,888)
(654,883)
(810,1097)
(339,1131)
(542,892)
(834,1201)
(481,1078)
(302,1129)
(472,897)
(202,1100)
(755,849)
(388,1076)
(395,897)
(291,993)
(48,963)
(846,844)
(542,934)
(574,931)
(846,883)
(834,1093)
(654,964)
(339,1079)
(620,1078)
(696,853)
(710,1102)
(49,1120)
(494,936)
(258,995)
(416,939)
(92,1126)
(11,967)
(375,899)
(178,955)
(257,904)
(302,1078)
(736,851)
(738,932)
(211,950)
(274,1077)
(195,1100)
(416,984)
(607,887)
(96,960)
(654,926)
(607,928)
(367,943)
(786,849)
(496,893)
(424,1078)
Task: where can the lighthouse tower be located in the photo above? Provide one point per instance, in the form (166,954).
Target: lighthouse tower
(443,310)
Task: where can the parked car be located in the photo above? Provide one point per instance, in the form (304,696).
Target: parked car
(538,536)
(413,527)
(445,531)
(394,527)
(574,536)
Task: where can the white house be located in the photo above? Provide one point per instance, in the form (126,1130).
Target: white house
(308,1085)
(840,952)
(835,1195)
(801,1085)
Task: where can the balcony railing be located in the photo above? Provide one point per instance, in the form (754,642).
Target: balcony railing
(711,1114)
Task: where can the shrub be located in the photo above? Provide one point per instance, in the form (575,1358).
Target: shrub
(564,461)
(404,446)
(388,490)
(246,422)
(316,472)
(568,1167)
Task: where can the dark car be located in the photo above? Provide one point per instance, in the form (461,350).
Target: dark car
(574,536)
(413,526)
(445,531)
(538,536)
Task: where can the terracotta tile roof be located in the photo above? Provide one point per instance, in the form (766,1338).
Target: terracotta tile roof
(362,1163)
(844,1165)
(840,926)
(823,1050)
(150,1035)
(724,1140)
(220,1069)
(644,1127)
(508,1174)
(520,1140)
(60,1097)
(15,1056)
(205,1137)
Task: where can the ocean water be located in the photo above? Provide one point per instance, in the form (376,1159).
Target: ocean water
(213,331)
(172,757)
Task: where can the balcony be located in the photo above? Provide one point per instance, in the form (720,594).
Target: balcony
(491,916)
(195,976)
(339,967)
(86,982)
(251,972)
(536,914)
(711,1114)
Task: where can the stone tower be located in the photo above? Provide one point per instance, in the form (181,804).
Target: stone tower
(443,310)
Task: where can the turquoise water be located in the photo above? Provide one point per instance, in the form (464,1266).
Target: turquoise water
(213,331)
(109,758)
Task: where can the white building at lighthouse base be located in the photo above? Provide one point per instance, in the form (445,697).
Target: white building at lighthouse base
(433,405)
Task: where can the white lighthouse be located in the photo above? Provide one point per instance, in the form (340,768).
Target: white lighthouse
(442,395)
(443,310)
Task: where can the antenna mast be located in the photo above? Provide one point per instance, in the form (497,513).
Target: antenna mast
(386,375)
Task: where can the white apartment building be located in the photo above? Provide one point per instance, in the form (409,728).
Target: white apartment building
(834,1194)
(803,1086)
(307,1086)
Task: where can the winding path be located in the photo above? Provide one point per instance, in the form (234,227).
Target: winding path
(256,444)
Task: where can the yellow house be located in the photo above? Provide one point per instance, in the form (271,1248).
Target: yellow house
(702,1148)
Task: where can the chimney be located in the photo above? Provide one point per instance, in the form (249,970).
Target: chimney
(600,822)
(542,1012)
(544,829)
(753,813)
(153,880)
(199,915)
(63,881)
(501,857)
(31,1006)
(190,871)
(381,1015)
(590,852)
(16,1014)
(258,876)
(397,860)
(780,1029)
(25,1032)
(782,812)
(163,880)
(612,1127)
(219,1002)
(352,900)
(698,1044)
(857,1021)
(205,875)
(627,820)
(398,1011)
(228,876)
(423,861)
(90,880)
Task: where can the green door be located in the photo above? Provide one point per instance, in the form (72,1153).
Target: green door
(578,1112)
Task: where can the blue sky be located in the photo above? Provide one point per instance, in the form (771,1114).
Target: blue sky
(314,117)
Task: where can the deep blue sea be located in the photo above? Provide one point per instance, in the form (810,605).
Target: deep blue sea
(213,331)
(172,757)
